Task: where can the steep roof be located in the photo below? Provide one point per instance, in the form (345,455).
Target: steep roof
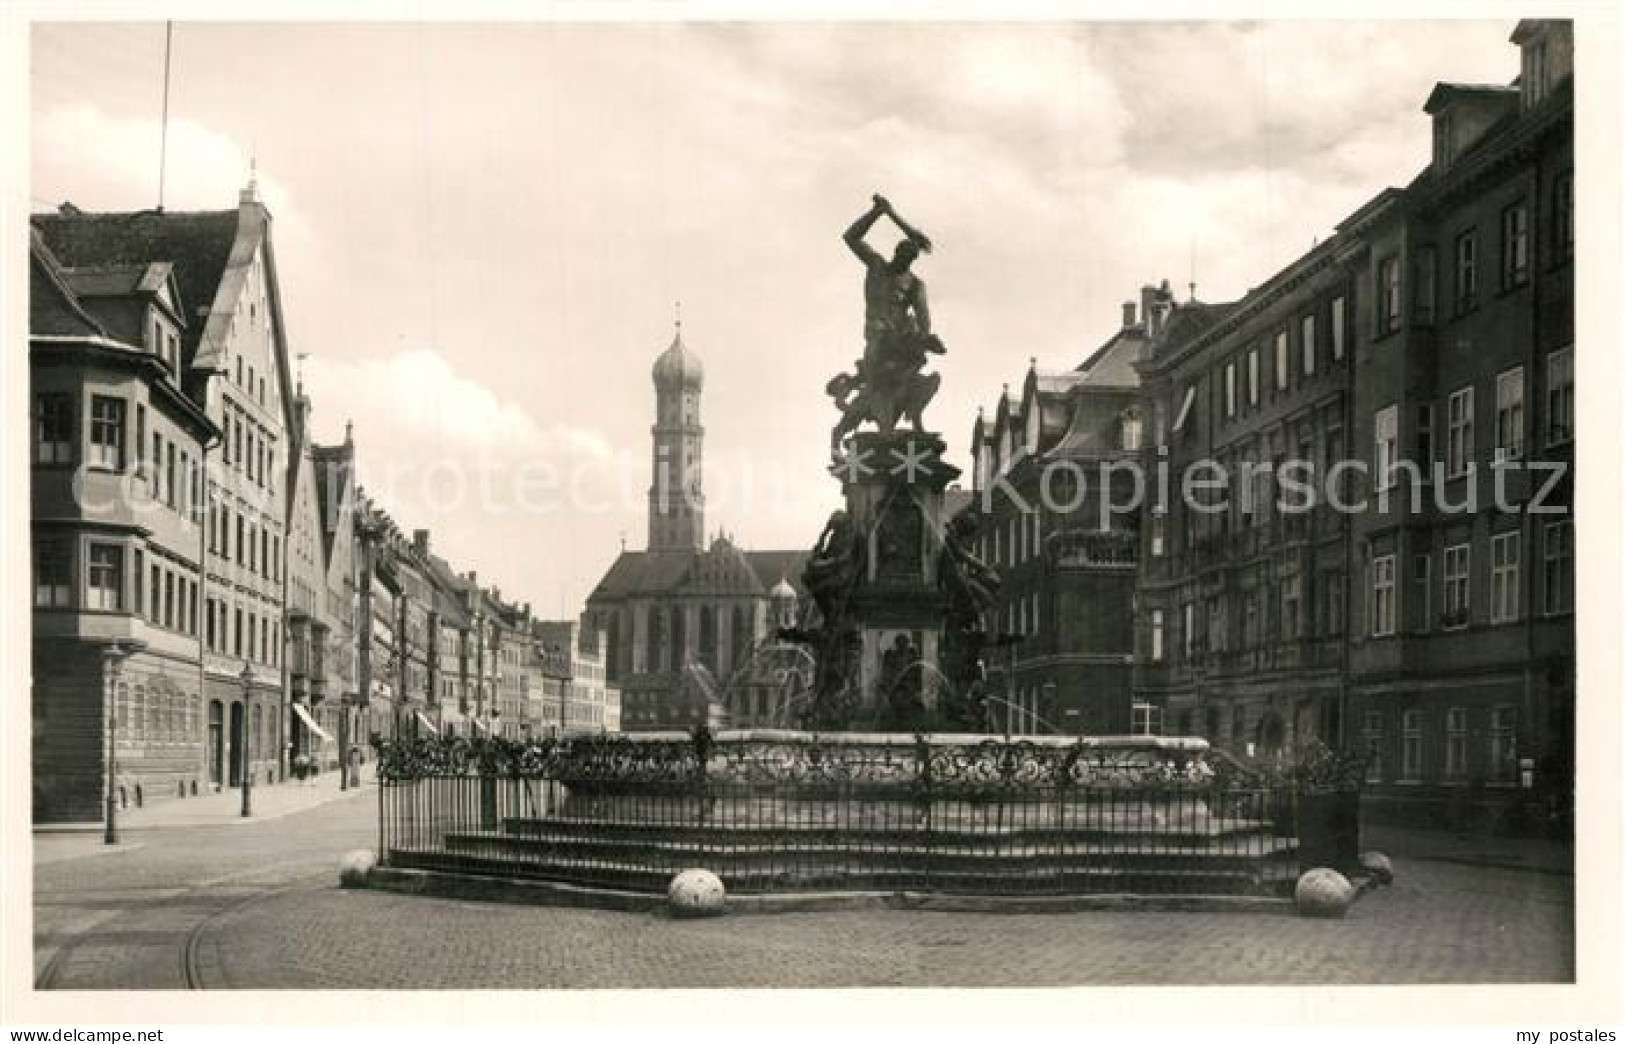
(335,480)
(1113,364)
(721,569)
(53,308)
(197,243)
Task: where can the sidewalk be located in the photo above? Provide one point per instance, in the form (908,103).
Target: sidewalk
(1506,853)
(136,825)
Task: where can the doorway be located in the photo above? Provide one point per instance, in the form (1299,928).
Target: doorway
(234,759)
(216,743)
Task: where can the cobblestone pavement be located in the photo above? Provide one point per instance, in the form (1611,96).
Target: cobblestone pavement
(259,907)
(124,918)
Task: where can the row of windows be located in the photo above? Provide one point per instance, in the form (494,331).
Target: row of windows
(248,448)
(235,536)
(174,475)
(1455,591)
(104,578)
(1467,262)
(1459,415)
(1443,749)
(229,629)
(1020,616)
(667,633)
(1020,538)
(171,597)
(1312,347)
(1280,612)
(156,716)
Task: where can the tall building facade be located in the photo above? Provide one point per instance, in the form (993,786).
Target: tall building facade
(230,357)
(1461,660)
(339,713)
(682,619)
(585,695)
(117,458)
(1241,610)
(1424,619)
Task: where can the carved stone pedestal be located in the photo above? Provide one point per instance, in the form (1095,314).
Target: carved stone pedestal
(893,484)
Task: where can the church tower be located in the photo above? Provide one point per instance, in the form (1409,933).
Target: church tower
(676,504)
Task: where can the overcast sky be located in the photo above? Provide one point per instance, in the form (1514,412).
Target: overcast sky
(482,230)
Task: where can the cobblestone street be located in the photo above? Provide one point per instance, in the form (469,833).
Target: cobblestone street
(258,906)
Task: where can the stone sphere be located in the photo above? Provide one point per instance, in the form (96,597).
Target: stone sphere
(696,893)
(1378,866)
(1324,893)
(355,866)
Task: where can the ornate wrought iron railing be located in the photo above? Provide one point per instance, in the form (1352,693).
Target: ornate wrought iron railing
(790,811)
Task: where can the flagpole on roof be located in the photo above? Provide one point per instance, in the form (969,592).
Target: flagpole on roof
(163,134)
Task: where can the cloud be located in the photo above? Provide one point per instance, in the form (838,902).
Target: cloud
(100,162)
(416,399)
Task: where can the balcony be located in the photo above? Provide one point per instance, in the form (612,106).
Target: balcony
(1095,550)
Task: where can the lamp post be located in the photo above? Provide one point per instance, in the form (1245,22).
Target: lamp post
(247,677)
(112,657)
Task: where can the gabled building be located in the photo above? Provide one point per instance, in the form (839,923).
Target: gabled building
(336,493)
(1066,560)
(117,503)
(587,702)
(230,357)
(314,635)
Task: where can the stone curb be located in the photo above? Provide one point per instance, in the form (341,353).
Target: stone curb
(233,818)
(122,847)
(551,893)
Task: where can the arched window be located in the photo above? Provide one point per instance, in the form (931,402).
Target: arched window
(655,639)
(708,637)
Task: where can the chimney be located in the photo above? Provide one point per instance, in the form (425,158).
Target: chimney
(1128,314)
(420,541)
(1156,303)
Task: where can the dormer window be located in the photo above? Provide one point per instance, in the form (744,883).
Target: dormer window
(163,342)
(1535,74)
(1131,430)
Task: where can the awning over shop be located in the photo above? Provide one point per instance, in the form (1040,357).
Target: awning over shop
(426,722)
(310,723)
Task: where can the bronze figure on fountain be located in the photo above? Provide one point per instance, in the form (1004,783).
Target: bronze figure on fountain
(888,383)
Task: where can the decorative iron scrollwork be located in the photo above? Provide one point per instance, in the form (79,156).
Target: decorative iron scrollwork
(939,764)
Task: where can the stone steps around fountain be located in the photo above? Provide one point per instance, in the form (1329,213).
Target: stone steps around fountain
(675,853)
(1010,877)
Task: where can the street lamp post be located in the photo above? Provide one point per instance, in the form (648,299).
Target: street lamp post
(247,677)
(111,658)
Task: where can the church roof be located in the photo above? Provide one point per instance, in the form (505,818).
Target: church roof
(643,573)
(678,365)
